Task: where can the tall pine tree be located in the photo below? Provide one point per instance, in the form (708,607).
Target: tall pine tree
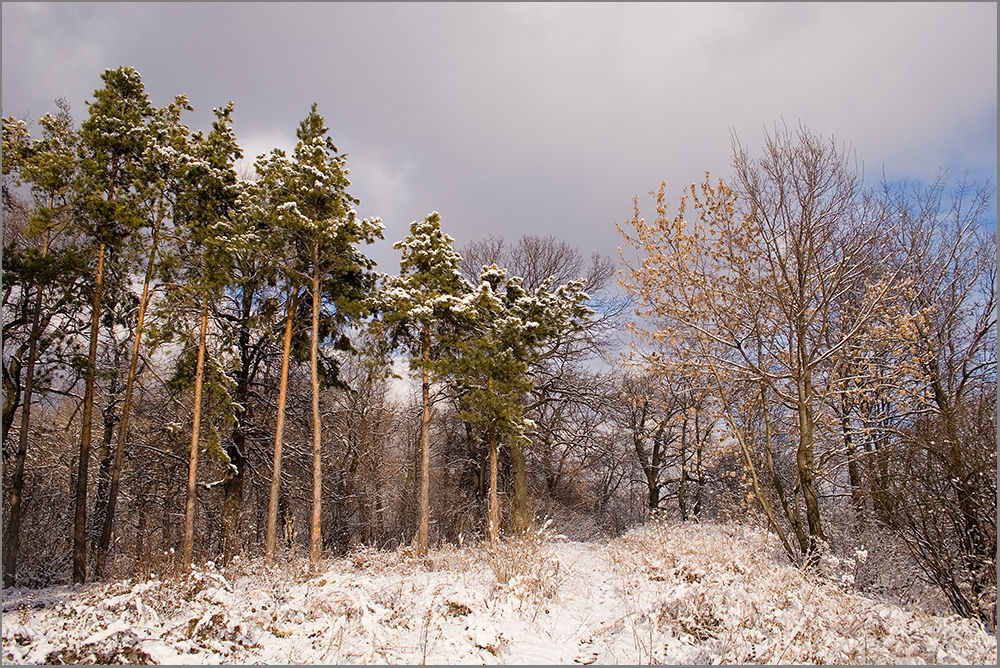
(49,165)
(113,139)
(415,302)
(316,229)
(159,177)
(208,236)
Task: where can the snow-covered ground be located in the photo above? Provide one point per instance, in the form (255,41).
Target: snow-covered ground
(660,594)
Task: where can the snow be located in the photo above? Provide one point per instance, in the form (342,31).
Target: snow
(662,593)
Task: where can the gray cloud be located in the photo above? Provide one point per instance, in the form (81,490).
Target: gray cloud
(513,119)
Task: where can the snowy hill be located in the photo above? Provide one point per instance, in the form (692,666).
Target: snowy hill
(661,594)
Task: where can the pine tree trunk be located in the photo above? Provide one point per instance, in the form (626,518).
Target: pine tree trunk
(520,505)
(232,498)
(315,534)
(80,519)
(12,539)
(423,527)
(104,473)
(187,551)
(116,471)
(11,397)
(272,505)
(494,513)
(232,486)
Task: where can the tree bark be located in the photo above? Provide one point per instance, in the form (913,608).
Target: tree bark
(853,469)
(423,526)
(12,539)
(681,498)
(520,505)
(187,551)
(315,531)
(232,497)
(140,530)
(11,395)
(104,474)
(806,464)
(494,512)
(270,537)
(748,460)
(116,471)
(700,477)
(80,519)
(793,517)
(232,486)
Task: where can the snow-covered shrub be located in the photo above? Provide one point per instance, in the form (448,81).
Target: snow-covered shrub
(716,593)
(525,567)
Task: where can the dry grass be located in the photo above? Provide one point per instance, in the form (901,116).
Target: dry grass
(722,591)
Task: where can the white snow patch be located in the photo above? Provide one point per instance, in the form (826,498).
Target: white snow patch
(662,593)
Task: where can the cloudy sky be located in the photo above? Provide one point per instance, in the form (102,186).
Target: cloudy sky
(537,119)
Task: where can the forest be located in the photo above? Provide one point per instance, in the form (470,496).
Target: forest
(202,364)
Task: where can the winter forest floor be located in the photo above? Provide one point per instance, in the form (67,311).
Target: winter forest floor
(660,594)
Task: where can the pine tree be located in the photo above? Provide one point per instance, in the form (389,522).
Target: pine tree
(159,175)
(428,287)
(268,194)
(317,213)
(16,139)
(210,233)
(49,164)
(245,318)
(505,329)
(113,139)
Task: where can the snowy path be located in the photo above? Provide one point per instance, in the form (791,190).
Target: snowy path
(588,603)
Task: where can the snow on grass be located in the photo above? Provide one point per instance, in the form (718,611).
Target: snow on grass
(663,593)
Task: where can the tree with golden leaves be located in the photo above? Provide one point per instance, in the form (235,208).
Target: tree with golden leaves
(752,290)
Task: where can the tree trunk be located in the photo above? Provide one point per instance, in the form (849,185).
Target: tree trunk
(792,516)
(853,469)
(748,461)
(187,551)
(655,464)
(270,538)
(805,453)
(11,395)
(494,513)
(520,505)
(807,473)
(700,477)
(104,474)
(423,527)
(140,530)
(13,538)
(315,531)
(116,471)
(681,498)
(232,486)
(232,498)
(80,519)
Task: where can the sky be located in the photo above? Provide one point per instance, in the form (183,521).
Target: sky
(514,119)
